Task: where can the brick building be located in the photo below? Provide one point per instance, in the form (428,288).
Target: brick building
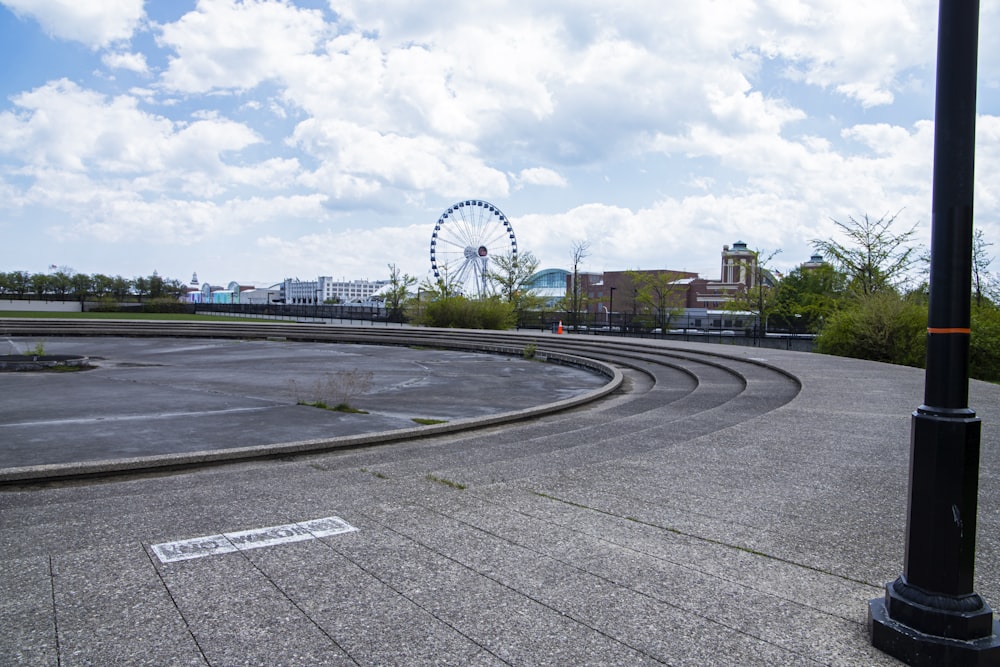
(617,292)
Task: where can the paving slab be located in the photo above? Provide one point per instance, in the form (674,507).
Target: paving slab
(26,611)
(107,593)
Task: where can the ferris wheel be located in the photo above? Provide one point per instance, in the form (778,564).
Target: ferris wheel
(467,239)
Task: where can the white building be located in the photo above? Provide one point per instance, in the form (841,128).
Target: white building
(325,289)
(234,292)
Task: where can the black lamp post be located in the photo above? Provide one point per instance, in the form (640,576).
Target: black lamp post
(931,614)
(611,307)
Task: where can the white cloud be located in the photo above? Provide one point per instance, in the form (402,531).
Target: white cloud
(95,24)
(223,44)
(860,50)
(135,62)
(352,252)
(123,173)
(118,217)
(63,126)
(410,163)
(735,105)
(661,236)
(540,176)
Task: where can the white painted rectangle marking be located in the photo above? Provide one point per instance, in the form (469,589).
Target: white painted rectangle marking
(256,538)
(196,547)
(265,537)
(331,525)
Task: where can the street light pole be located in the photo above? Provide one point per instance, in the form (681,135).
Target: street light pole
(931,614)
(611,305)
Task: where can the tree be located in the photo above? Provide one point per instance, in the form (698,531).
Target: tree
(509,280)
(61,282)
(102,285)
(156,286)
(141,286)
(174,288)
(81,286)
(19,282)
(398,292)
(874,258)
(41,284)
(811,293)
(882,327)
(759,296)
(660,293)
(577,301)
(982,282)
(120,288)
(441,287)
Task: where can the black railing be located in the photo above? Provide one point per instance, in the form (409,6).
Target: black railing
(787,336)
(352,313)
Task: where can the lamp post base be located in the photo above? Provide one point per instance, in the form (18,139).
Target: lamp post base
(918,649)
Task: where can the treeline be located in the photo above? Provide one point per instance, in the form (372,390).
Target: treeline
(870,300)
(64,285)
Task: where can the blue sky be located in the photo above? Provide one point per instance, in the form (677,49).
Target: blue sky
(259,140)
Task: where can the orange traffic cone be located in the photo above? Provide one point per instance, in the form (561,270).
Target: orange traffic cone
(559,330)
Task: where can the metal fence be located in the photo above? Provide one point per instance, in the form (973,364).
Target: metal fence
(350,313)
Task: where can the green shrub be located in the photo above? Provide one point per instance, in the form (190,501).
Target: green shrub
(984,344)
(106,305)
(457,312)
(166,305)
(882,327)
(887,327)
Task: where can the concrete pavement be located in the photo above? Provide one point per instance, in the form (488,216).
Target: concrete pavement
(725,514)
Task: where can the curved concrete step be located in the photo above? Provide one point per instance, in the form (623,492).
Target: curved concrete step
(694,391)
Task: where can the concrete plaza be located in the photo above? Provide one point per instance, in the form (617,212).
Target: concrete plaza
(708,516)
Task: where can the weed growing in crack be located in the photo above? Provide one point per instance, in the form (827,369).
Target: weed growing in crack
(445,482)
(334,391)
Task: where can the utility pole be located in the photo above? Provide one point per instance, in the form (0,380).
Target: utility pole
(931,614)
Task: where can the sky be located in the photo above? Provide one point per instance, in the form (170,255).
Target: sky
(259,140)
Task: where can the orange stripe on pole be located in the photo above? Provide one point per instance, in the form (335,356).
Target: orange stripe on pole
(958,330)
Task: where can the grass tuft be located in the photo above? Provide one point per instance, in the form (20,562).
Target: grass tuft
(340,407)
(446,482)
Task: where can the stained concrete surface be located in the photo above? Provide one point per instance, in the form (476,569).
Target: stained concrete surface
(169,396)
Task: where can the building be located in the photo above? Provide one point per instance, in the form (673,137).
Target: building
(327,290)
(549,285)
(255,295)
(739,265)
(234,292)
(815,262)
(618,291)
(615,294)
(740,271)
